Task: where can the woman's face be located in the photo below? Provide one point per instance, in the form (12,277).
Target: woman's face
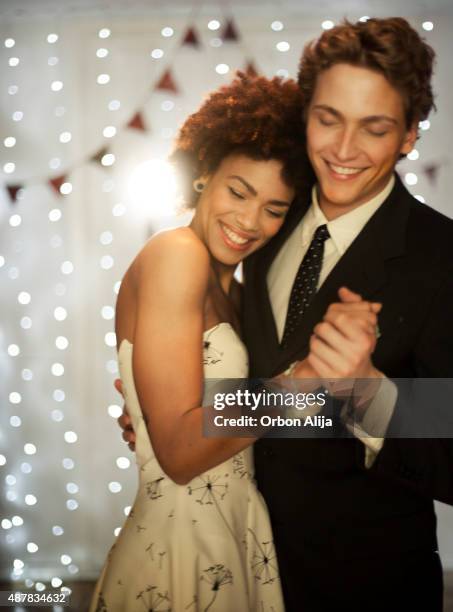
(242,206)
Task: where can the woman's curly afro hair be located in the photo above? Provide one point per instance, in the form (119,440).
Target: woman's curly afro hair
(254,116)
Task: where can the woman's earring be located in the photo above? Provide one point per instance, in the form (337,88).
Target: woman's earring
(198,185)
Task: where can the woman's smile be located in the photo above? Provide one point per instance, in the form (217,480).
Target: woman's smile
(234,238)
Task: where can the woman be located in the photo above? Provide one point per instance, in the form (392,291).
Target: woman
(198,537)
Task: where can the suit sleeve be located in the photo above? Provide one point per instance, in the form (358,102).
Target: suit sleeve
(418,449)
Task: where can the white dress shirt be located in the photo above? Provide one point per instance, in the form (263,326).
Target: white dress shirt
(280,279)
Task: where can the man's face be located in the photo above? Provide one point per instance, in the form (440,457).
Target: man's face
(356,131)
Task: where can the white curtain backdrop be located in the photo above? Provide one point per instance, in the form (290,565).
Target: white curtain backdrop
(66,477)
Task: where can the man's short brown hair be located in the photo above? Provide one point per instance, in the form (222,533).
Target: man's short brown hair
(390,46)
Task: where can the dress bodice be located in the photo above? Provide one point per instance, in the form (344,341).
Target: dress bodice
(224,357)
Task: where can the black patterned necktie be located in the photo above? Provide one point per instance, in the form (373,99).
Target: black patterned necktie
(305,283)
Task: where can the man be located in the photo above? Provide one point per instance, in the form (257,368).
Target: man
(353,519)
(350,536)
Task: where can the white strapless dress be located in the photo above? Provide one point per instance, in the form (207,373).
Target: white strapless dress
(205,546)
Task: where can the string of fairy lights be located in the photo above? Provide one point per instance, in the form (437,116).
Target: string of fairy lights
(27,363)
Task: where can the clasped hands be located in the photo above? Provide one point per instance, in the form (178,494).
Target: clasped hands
(340,351)
(342,343)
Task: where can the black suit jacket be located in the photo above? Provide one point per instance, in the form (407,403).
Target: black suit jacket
(325,506)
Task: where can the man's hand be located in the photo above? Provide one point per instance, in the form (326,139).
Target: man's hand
(342,344)
(124,421)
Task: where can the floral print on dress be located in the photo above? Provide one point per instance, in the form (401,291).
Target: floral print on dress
(210,490)
(216,576)
(153,600)
(202,547)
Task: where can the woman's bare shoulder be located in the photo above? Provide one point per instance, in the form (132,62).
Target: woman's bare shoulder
(177,254)
(174,243)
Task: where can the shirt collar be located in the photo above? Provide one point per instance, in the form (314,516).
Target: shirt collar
(344,229)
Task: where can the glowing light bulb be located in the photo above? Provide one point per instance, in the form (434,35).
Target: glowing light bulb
(114,487)
(283,46)
(13,350)
(114,411)
(103,79)
(66,188)
(109,131)
(30,500)
(222,68)
(57,416)
(411,178)
(65,137)
(107,313)
(413,155)
(70,437)
(123,463)
(24,297)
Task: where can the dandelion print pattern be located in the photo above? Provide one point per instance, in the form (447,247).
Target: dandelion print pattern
(153,488)
(210,491)
(153,601)
(205,546)
(211,354)
(217,576)
(264,561)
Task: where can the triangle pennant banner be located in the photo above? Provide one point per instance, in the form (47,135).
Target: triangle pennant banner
(12,191)
(191,38)
(97,157)
(431,171)
(57,182)
(137,123)
(167,83)
(250,69)
(230,33)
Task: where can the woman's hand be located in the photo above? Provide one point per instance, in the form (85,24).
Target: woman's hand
(124,421)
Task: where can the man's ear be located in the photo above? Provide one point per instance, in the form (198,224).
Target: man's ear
(410,139)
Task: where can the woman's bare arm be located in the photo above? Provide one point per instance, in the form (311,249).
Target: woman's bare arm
(173,273)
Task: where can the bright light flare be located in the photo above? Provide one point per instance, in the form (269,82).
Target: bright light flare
(153,187)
